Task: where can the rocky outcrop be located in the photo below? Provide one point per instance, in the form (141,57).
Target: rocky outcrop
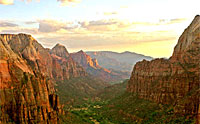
(176,80)
(55,64)
(28,100)
(24,93)
(60,51)
(64,66)
(93,68)
(27,75)
(84,60)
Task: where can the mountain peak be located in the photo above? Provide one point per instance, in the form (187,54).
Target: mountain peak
(60,51)
(85,60)
(189,38)
(126,52)
(81,51)
(197,16)
(196,20)
(59,45)
(24,37)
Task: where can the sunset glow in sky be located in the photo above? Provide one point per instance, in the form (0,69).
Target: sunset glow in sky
(149,27)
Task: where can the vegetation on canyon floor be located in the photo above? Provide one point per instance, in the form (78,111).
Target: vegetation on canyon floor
(113,105)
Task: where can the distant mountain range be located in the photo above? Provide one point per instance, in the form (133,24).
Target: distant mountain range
(93,68)
(118,61)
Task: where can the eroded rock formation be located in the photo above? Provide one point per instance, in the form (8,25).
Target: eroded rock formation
(93,68)
(64,67)
(176,80)
(27,75)
(55,63)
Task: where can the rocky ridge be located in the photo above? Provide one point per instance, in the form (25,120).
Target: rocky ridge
(174,81)
(117,61)
(93,68)
(64,66)
(43,60)
(27,75)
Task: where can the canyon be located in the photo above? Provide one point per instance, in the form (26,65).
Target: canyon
(34,78)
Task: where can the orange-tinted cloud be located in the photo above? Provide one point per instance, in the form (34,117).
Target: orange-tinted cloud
(105,25)
(48,26)
(67,2)
(63,2)
(7,24)
(7,2)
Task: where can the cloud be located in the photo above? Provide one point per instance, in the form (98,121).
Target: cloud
(20,30)
(47,26)
(86,24)
(177,20)
(110,13)
(103,25)
(30,22)
(172,21)
(63,2)
(7,24)
(11,2)
(67,2)
(7,2)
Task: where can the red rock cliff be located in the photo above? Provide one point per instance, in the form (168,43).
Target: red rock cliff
(25,95)
(64,67)
(175,80)
(55,64)
(27,72)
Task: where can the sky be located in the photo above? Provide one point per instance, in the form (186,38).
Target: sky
(149,27)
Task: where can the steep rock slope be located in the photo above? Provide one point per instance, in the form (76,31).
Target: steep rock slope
(58,65)
(64,66)
(28,72)
(93,68)
(176,80)
(26,96)
(117,61)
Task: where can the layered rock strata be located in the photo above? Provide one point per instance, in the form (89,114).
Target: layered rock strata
(176,80)
(27,75)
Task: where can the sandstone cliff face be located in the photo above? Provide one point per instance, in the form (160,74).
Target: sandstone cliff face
(176,80)
(64,66)
(29,100)
(93,68)
(83,59)
(60,51)
(27,72)
(25,95)
(55,64)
